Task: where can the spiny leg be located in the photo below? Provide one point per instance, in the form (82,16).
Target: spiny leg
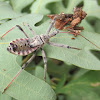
(51,25)
(13,28)
(19,72)
(45,63)
(30,28)
(62,45)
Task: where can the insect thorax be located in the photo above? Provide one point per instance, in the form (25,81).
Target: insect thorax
(38,40)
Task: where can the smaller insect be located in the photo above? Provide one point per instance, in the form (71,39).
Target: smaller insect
(25,46)
(61,20)
(70,22)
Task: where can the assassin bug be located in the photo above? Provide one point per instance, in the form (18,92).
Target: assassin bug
(72,20)
(28,45)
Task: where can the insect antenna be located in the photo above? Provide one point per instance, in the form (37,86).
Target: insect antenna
(86,39)
(89,41)
(8,31)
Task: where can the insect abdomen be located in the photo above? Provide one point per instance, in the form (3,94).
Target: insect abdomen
(20,47)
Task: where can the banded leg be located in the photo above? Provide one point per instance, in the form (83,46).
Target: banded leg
(19,72)
(30,28)
(53,33)
(51,25)
(45,63)
(62,45)
(12,29)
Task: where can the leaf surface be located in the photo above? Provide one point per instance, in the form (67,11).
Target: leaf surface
(18,5)
(86,87)
(39,6)
(6,12)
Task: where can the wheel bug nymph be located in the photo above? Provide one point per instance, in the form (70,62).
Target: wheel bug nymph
(28,45)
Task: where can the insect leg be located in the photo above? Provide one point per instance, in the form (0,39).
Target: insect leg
(45,63)
(49,29)
(30,28)
(12,29)
(19,72)
(22,30)
(53,33)
(62,45)
(63,24)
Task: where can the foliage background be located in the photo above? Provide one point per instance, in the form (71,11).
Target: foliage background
(73,75)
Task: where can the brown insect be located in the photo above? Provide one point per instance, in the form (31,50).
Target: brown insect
(70,22)
(61,20)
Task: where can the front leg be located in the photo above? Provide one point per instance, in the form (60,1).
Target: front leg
(62,45)
(51,25)
(12,29)
(45,63)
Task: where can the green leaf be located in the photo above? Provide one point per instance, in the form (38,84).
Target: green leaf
(58,70)
(6,11)
(92,8)
(82,58)
(58,7)
(80,72)
(4,0)
(83,87)
(5,97)
(87,26)
(18,5)
(39,6)
(26,86)
(97,28)
(72,4)
(39,72)
(61,83)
